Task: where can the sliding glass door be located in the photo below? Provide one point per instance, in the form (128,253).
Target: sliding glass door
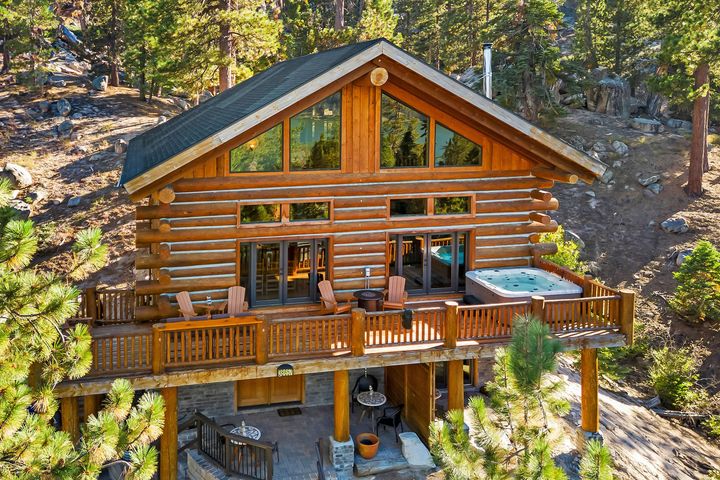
(430,262)
(283,271)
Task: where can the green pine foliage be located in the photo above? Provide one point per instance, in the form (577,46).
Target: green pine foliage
(38,350)
(674,376)
(697,296)
(511,440)
(596,463)
(568,254)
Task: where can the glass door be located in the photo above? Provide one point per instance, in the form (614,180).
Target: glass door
(430,262)
(267,272)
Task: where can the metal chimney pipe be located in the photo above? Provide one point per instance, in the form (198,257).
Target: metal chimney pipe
(487,70)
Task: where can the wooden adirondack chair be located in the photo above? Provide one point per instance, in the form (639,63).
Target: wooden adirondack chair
(327,299)
(236,303)
(395,294)
(186,307)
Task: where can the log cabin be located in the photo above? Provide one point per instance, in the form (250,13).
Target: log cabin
(348,166)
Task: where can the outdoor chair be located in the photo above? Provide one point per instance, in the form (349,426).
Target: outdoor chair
(186,307)
(327,299)
(236,304)
(395,294)
(391,417)
(362,384)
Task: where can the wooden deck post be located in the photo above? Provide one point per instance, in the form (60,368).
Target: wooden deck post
(589,407)
(158,365)
(70,417)
(357,332)
(261,337)
(92,405)
(91,305)
(451,324)
(169,439)
(627,315)
(537,307)
(587,286)
(342,406)
(456,392)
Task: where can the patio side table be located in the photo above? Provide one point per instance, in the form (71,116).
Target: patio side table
(371,400)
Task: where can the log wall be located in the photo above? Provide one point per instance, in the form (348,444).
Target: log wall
(192,242)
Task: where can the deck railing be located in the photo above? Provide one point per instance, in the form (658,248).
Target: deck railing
(488,321)
(386,328)
(122,351)
(307,336)
(236,455)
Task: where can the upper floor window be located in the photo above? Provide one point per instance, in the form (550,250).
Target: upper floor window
(408,206)
(451,205)
(309,211)
(266,213)
(315,136)
(403,135)
(260,154)
(454,150)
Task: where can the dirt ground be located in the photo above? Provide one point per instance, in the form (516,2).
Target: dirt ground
(619,224)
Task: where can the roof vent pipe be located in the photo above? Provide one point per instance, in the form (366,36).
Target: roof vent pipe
(487,70)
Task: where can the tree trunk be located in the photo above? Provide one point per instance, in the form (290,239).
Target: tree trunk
(698,148)
(591,60)
(618,29)
(226,51)
(339,14)
(706,160)
(5,58)
(114,67)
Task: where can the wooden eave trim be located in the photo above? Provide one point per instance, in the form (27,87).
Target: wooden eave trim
(588,167)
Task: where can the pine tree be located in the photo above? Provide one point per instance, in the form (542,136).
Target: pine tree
(23,27)
(697,296)
(378,20)
(38,350)
(596,463)
(688,59)
(105,33)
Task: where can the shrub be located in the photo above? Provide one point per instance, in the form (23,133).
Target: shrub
(712,426)
(674,376)
(697,296)
(568,254)
(596,463)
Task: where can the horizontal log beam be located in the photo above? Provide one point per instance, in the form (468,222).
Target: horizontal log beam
(544,248)
(516,206)
(555,175)
(143,261)
(543,195)
(540,217)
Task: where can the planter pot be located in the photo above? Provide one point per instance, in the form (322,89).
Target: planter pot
(368,445)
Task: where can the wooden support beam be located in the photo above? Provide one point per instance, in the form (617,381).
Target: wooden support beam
(376,78)
(540,217)
(451,324)
(157,351)
(589,406)
(70,417)
(164,226)
(587,285)
(91,306)
(357,332)
(456,392)
(169,438)
(546,248)
(342,405)
(627,315)
(92,405)
(543,195)
(166,194)
(537,307)
(554,174)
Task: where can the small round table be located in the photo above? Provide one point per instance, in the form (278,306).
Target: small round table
(370,300)
(248,431)
(210,308)
(371,400)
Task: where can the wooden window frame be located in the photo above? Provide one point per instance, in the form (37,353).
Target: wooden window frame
(284,214)
(430,206)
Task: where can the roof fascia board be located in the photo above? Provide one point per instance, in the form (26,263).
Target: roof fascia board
(479,101)
(264,113)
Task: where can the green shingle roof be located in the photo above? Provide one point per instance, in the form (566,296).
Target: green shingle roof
(192,126)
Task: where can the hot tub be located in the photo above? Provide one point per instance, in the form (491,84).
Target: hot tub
(517,284)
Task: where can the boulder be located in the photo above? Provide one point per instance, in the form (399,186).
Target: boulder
(121,146)
(574,101)
(601,147)
(181,103)
(675,225)
(611,96)
(76,116)
(578,142)
(415,452)
(607,176)
(65,128)
(646,125)
(37,196)
(655,188)
(657,105)
(73,201)
(205,96)
(677,123)
(18,175)
(570,235)
(56,82)
(646,180)
(681,256)
(100,83)
(21,209)
(43,106)
(62,107)
(620,148)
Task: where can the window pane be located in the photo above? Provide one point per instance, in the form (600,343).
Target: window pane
(408,206)
(315,136)
(403,141)
(261,154)
(321,261)
(452,205)
(267,264)
(462,240)
(413,264)
(454,150)
(260,213)
(245,267)
(309,211)
(299,268)
(441,260)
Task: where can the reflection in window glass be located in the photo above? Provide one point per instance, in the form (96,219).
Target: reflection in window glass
(261,154)
(404,138)
(260,213)
(452,205)
(408,206)
(309,211)
(315,136)
(454,150)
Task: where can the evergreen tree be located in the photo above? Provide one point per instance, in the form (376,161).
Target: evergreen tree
(697,296)
(378,20)
(38,350)
(105,33)
(597,463)
(688,59)
(23,27)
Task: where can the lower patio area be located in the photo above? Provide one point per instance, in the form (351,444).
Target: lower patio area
(297,435)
